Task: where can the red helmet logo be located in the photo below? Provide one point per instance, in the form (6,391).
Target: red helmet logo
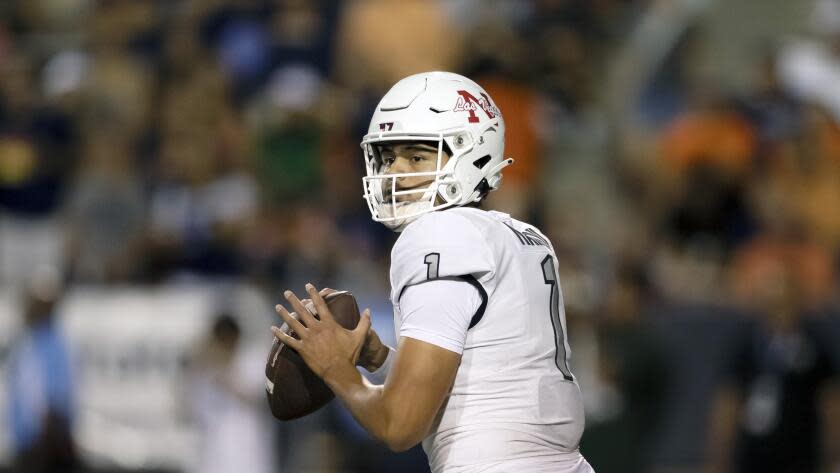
(468,102)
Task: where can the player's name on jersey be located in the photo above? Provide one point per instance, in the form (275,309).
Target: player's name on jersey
(529,237)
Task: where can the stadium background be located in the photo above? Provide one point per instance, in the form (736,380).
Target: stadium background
(166,162)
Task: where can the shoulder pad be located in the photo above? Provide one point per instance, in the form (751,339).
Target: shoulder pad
(439,245)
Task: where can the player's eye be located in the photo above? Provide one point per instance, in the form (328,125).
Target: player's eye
(387,160)
(417,158)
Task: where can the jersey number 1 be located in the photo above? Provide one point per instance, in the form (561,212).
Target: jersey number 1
(550,278)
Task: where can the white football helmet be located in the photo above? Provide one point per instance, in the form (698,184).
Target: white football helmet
(458,116)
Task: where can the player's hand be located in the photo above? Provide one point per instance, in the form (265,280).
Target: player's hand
(373,352)
(324,345)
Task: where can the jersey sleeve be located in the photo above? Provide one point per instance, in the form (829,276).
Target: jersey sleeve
(440,312)
(439,245)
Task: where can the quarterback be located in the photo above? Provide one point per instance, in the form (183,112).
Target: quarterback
(481,371)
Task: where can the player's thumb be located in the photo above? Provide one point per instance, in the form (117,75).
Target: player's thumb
(363,326)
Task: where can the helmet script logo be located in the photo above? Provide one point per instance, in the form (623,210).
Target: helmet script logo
(468,102)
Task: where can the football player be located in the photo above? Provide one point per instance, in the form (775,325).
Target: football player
(481,371)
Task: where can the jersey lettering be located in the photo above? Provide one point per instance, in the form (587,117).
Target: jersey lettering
(550,278)
(432,261)
(529,237)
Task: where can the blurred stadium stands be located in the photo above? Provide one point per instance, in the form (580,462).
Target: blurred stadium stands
(176,159)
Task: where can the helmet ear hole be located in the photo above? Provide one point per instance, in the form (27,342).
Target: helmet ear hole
(482,161)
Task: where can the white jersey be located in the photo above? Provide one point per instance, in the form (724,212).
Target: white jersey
(515,405)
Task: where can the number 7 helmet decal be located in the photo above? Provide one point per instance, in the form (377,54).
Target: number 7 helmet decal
(457,116)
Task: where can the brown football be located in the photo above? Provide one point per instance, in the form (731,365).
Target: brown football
(293,389)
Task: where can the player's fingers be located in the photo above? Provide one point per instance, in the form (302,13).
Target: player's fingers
(285,327)
(326,291)
(286,338)
(305,315)
(320,304)
(309,305)
(290,320)
(363,327)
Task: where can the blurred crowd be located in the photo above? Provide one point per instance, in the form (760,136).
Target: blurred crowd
(697,223)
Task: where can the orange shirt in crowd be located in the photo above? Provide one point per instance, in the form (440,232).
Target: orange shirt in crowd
(717,137)
(518,105)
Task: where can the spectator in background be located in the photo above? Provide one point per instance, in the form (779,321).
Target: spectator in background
(41,384)
(203,197)
(711,132)
(781,377)
(808,66)
(807,264)
(774,113)
(37,147)
(705,155)
(631,380)
(819,178)
(227,397)
(105,213)
(385,54)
